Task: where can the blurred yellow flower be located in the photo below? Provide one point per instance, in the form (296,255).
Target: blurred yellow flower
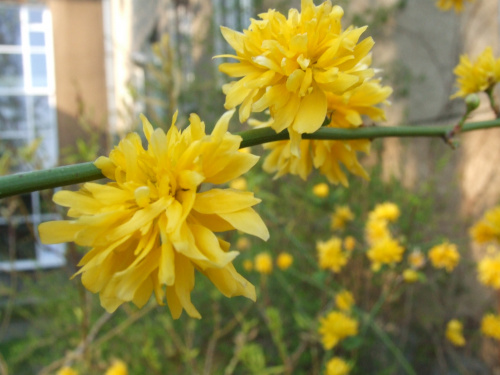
(337,366)
(239,183)
(458,5)
(263,263)
(454,333)
(344,300)
(349,243)
(151,227)
(479,76)
(290,65)
(445,256)
(488,270)
(341,215)
(410,275)
(376,231)
(416,259)
(247,265)
(330,254)
(243,243)
(117,368)
(384,211)
(335,327)
(490,326)
(321,190)
(284,261)
(66,371)
(488,228)
(387,251)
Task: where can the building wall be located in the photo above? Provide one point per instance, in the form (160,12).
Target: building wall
(79,67)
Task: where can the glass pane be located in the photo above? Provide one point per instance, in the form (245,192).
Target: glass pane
(10,26)
(38,70)
(37,38)
(11,70)
(16,242)
(36,15)
(42,112)
(13,113)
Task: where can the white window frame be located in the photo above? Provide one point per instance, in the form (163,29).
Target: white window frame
(46,256)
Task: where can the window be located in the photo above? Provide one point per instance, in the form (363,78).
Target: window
(27,118)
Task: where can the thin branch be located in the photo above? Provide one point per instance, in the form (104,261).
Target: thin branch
(73,174)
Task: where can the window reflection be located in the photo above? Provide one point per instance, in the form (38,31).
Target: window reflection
(10,26)
(11,70)
(13,113)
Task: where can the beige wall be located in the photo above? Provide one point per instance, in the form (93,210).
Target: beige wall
(79,66)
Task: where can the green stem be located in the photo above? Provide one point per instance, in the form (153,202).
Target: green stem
(73,174)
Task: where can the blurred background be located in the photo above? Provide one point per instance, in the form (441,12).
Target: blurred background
(74,76)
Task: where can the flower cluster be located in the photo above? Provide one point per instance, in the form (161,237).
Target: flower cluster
(454,333)
(383,248)
(152,226)
(335,327)
(305,69)
(458,5)
(340,217)
(444,256)
(337,366)
(490,326)
(330,254)
(344,300)
(263,262)
(477,76)
(488,228)
(488,270)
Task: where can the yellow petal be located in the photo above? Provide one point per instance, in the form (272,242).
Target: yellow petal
(58,231)
(311,113)
(217,201)
(247,221)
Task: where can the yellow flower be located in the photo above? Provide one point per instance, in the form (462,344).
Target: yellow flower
(445,256)
(387,251)
(337,366)
(488,228)
(384,211)
(321,190)
(330,254)
(247,265)
(243,243)
(490,326)
(349,243)
(284,261)
(340,217)
(151,227)
(344,300)
(448,4)
(263,263)
(488,270)
(239,183)
(410,275)
(416,259)
(454,333)
(376,231)
(478,76)
(335,327)
(117,368)
(289,65)
(66,371)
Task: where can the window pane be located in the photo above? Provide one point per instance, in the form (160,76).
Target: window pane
(17,239)
(11,70)
(37,38)
(10,26)
(13,113)
(38,70)
(35,15)
(42,112)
